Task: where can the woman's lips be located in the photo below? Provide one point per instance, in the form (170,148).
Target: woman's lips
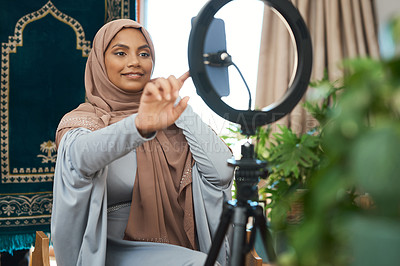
(133,75)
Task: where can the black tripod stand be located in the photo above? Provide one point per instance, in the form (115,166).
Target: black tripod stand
(237,212)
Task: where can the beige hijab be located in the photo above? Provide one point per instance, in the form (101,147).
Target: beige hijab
(162,203)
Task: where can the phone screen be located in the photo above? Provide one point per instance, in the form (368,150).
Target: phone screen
(215,42)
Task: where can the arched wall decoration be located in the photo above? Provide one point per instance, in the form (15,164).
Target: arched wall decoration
(36,174)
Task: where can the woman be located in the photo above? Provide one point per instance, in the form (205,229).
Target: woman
(140,179)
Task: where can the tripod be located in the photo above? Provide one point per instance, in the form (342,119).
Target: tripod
(237,212)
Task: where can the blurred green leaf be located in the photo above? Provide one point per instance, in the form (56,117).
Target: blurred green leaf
(376,166)
(374,241)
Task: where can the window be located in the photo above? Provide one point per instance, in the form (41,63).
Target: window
(169,23)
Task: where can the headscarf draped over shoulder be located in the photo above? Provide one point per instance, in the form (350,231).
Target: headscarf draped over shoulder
(162,202)
(106,103)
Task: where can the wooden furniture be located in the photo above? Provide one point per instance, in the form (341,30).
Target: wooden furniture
(40,256)
(252,258)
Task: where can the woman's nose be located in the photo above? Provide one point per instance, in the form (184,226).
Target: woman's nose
(133,61)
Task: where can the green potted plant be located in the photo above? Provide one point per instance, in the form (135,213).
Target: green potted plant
(292,157)
(291,160)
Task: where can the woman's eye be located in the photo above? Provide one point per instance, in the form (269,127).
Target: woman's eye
(144,54)
(120,53)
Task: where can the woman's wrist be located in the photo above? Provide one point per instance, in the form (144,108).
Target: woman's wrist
(143,132)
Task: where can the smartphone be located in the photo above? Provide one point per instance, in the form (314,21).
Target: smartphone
(215,41)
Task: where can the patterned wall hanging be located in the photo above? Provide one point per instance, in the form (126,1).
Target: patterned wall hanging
(44,48)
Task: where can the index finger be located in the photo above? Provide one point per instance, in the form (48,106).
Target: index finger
(184,77)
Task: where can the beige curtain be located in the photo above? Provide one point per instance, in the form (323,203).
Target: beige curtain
(339,29)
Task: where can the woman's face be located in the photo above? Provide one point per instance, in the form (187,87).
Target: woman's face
(128,60)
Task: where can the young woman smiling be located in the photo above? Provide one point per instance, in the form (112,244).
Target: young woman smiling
(140,179)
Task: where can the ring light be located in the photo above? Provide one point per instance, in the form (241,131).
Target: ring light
(251,119)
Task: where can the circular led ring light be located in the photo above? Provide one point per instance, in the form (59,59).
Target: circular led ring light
(251,119)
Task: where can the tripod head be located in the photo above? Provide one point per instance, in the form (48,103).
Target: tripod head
(248,173)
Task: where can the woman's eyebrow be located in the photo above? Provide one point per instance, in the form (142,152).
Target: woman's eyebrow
(144,46)
(121,45)
(127,47)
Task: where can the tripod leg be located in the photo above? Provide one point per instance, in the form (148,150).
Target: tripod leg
(240,217)
(219,235)
(261,223)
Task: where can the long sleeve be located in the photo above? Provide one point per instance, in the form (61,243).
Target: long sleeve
(209,151)
(92,152)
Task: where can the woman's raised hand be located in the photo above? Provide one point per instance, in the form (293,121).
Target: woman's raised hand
(157,109)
